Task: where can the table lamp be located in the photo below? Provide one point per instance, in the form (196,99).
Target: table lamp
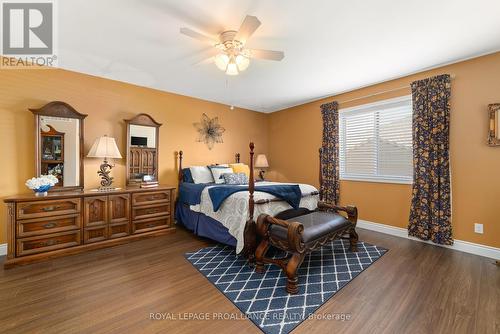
(261,162)
(105,147)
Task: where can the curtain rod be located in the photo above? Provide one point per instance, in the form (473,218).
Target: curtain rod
(452,76)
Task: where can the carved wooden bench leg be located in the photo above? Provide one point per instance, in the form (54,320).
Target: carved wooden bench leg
(259,255)
(353,240)
(291,272)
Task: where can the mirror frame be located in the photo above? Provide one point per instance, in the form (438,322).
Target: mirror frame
(144,120)
(493,139)
(63,110)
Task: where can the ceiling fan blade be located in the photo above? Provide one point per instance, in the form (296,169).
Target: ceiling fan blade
(208,57)
(204,61)
(196,35)
(248,27)
(267,54)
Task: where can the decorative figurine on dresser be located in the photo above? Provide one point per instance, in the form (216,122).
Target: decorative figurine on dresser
(60,217)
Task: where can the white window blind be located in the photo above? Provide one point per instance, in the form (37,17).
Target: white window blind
(376,142)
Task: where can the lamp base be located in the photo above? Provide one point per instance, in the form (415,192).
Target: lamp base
(103,172)
(261,175)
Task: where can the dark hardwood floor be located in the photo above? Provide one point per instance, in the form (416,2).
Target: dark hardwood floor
(414,288)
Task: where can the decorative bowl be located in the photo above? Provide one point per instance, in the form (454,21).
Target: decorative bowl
(42,191)
(40,185)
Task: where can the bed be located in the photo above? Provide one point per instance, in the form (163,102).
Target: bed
(225,213)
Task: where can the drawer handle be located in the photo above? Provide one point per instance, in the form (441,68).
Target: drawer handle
(47,243)
(50,225)
(149,212)
(50,208)
(150,225)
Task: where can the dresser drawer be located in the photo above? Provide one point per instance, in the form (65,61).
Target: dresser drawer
(118,230)
(153,197)
(47,225)
(151,224)
(27,210)
(150,211)
(95,234)
(40,244)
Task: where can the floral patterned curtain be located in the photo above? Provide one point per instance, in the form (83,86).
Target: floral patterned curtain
(329,162)
(430,213)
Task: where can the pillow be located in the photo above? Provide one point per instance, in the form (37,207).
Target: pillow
(218,166)
(235,178)
(217,173)
(240,168)
(201,174)
(186,175)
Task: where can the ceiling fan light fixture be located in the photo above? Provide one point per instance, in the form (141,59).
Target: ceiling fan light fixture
(232,68)
(221,61)
(242,62)
(232,56)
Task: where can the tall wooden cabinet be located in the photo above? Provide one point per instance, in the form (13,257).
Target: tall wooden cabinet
(67,223)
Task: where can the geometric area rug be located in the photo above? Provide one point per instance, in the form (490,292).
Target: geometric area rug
(262,297)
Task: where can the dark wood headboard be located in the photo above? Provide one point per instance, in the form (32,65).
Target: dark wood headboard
(181,174)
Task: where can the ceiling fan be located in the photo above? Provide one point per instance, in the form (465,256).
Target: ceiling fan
(229,53)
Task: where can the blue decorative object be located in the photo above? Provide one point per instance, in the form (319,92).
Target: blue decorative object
(262,297)
(42,190)
(40,185)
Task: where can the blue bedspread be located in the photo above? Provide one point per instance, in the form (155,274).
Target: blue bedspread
(190,193)
(288,192)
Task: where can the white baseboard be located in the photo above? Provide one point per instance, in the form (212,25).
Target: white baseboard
(3,249)
(460,245)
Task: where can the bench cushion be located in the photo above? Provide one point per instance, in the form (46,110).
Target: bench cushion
(316,225)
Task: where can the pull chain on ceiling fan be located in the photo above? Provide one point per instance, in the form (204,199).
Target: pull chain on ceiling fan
(229,53)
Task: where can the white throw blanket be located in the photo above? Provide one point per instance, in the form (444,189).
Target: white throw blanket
(233,213)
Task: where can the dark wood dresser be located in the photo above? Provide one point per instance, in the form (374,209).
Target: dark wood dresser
(62,223)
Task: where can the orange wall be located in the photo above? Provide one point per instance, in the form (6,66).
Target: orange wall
(107,103)
(295,136)
(290,138)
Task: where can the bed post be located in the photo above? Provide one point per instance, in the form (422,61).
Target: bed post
(237,157)
(320,176)
(181,175)
(251,184)
(250,234)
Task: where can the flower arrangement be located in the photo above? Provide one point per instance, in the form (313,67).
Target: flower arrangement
(41,184)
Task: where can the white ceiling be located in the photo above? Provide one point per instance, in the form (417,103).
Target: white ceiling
(330,46)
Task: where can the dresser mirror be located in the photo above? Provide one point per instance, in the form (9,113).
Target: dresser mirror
(494,130)
(59,144)
(142,149)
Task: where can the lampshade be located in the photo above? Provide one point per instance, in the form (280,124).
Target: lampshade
(261,161)
(221,61)
(232,64)
(104,147)
(242,62)
(232,68)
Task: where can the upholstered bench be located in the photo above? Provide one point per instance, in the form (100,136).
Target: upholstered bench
(303,234)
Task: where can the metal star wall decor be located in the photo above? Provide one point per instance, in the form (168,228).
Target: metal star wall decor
(209,131)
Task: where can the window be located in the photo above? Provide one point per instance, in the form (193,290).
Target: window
(376,142)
